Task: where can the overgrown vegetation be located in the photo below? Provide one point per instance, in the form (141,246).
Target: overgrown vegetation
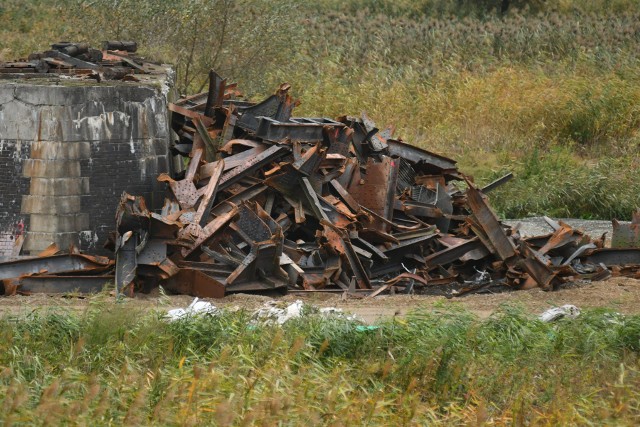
(548,89)
(117,365)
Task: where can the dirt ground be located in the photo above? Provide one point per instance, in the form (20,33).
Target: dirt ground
(620,294)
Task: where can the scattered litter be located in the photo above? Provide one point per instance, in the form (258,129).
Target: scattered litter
(279,313)
(553,314)
(367,328)
(197,308)
(272,312)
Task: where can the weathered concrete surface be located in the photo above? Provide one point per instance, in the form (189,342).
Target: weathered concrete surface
(536,226)
(69,148)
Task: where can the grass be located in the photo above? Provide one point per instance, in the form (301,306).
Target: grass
(550,92)
(116,365)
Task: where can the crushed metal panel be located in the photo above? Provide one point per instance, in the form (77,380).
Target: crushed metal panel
(406,176)
(376,190)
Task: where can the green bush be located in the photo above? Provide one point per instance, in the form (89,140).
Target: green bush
(557,184)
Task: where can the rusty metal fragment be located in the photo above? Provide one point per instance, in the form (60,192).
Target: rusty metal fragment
(486,218)
(116,61)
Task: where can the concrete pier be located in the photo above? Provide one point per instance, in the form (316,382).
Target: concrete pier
(69,148)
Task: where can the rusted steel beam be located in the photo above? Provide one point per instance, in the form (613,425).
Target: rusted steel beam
(614,256)
(50,284)
(277,107)
(453,253)
(215,95)
(203,234)
(561,237)
(312,199)
(272,153)
(209,194)
(126,261)
(190,114)
(497,183)
(486,218)
(418,155)
(445,205)
(537,268)
(340,242)
(51,264)
(127,46)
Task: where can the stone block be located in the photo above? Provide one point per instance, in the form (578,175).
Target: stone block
(59,186)
(51,223)
(50,204)
(49,150)
(36,241)
(51,168)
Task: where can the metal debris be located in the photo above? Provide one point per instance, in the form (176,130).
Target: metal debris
(117,61)
(269,202)
(55,271)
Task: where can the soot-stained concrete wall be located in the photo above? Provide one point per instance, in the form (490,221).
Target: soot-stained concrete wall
(67,152)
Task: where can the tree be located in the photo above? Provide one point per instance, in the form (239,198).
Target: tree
(238,38)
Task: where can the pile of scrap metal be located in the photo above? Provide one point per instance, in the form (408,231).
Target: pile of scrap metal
(117,61)
(56,271)
(274,202)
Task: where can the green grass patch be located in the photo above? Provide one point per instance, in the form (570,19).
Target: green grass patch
(558,184)
(115,365)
